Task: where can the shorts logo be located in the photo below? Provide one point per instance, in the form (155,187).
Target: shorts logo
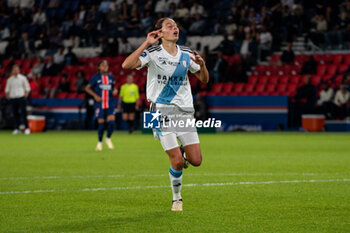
(97,111)
(151,120)
(144,54)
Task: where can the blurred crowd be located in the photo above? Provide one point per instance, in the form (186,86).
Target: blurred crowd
(253,28)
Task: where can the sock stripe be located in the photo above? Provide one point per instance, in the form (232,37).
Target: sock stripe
(175,173)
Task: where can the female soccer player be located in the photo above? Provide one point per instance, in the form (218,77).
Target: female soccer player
(101,87)
(168,90)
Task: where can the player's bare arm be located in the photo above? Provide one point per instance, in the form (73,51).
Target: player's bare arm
(92,93)
(115,92)
(137,104)
(119,103)
(133,61)
(202,74)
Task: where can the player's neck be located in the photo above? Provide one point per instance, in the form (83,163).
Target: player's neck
(170,47)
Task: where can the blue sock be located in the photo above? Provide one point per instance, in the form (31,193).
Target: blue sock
(100,130)
(110,128)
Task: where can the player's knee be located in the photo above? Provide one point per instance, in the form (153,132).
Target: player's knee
(196,160)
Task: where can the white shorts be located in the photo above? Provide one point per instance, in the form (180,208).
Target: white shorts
(168,136)
(169,141)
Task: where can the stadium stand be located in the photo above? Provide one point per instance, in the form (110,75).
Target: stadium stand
(108,30)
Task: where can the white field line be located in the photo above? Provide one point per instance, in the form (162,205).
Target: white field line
(155,175)
(57,177)
(186,185)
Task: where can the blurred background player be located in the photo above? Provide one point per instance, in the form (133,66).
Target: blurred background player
(172,93)
(17,90)
(101,87)
(129,96)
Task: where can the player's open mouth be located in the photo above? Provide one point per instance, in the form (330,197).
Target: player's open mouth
(176,33)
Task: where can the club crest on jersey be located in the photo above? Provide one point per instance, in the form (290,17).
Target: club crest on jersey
(184,63)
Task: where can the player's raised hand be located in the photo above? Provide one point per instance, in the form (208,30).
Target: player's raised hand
(153,37)
(197,58)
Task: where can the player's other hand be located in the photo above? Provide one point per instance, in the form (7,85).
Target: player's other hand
(153,37)
(197,58)
(97,98)
(119,107)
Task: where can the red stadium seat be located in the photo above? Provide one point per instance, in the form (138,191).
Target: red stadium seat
(44,81)
(253,79)
(56,79)
(285,70)
(26,64)
(262,70)
(217,88)
(270,88)
(292,87)
(326,78)
(263,79)
(260,88)
(319,58)
(301,58)
(18,62)
(328,58)
(272,70)
(249,88)
(338,80)
(81,96)
(284,79)
(290,93)
(227,89)
(295,70)
(273,79)
(332,69)
(36,94)
(234,60)
(347,59)
(343,68)
(193,81)
(294,79)
(315,80)
(238,88)
(72,95)
(281,88)
(5,62)
(61,95)
(142,80)
(321,69)
(337,59)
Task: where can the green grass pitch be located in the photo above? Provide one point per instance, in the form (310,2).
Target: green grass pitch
(248,182)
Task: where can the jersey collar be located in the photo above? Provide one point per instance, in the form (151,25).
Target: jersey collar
(168,54)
